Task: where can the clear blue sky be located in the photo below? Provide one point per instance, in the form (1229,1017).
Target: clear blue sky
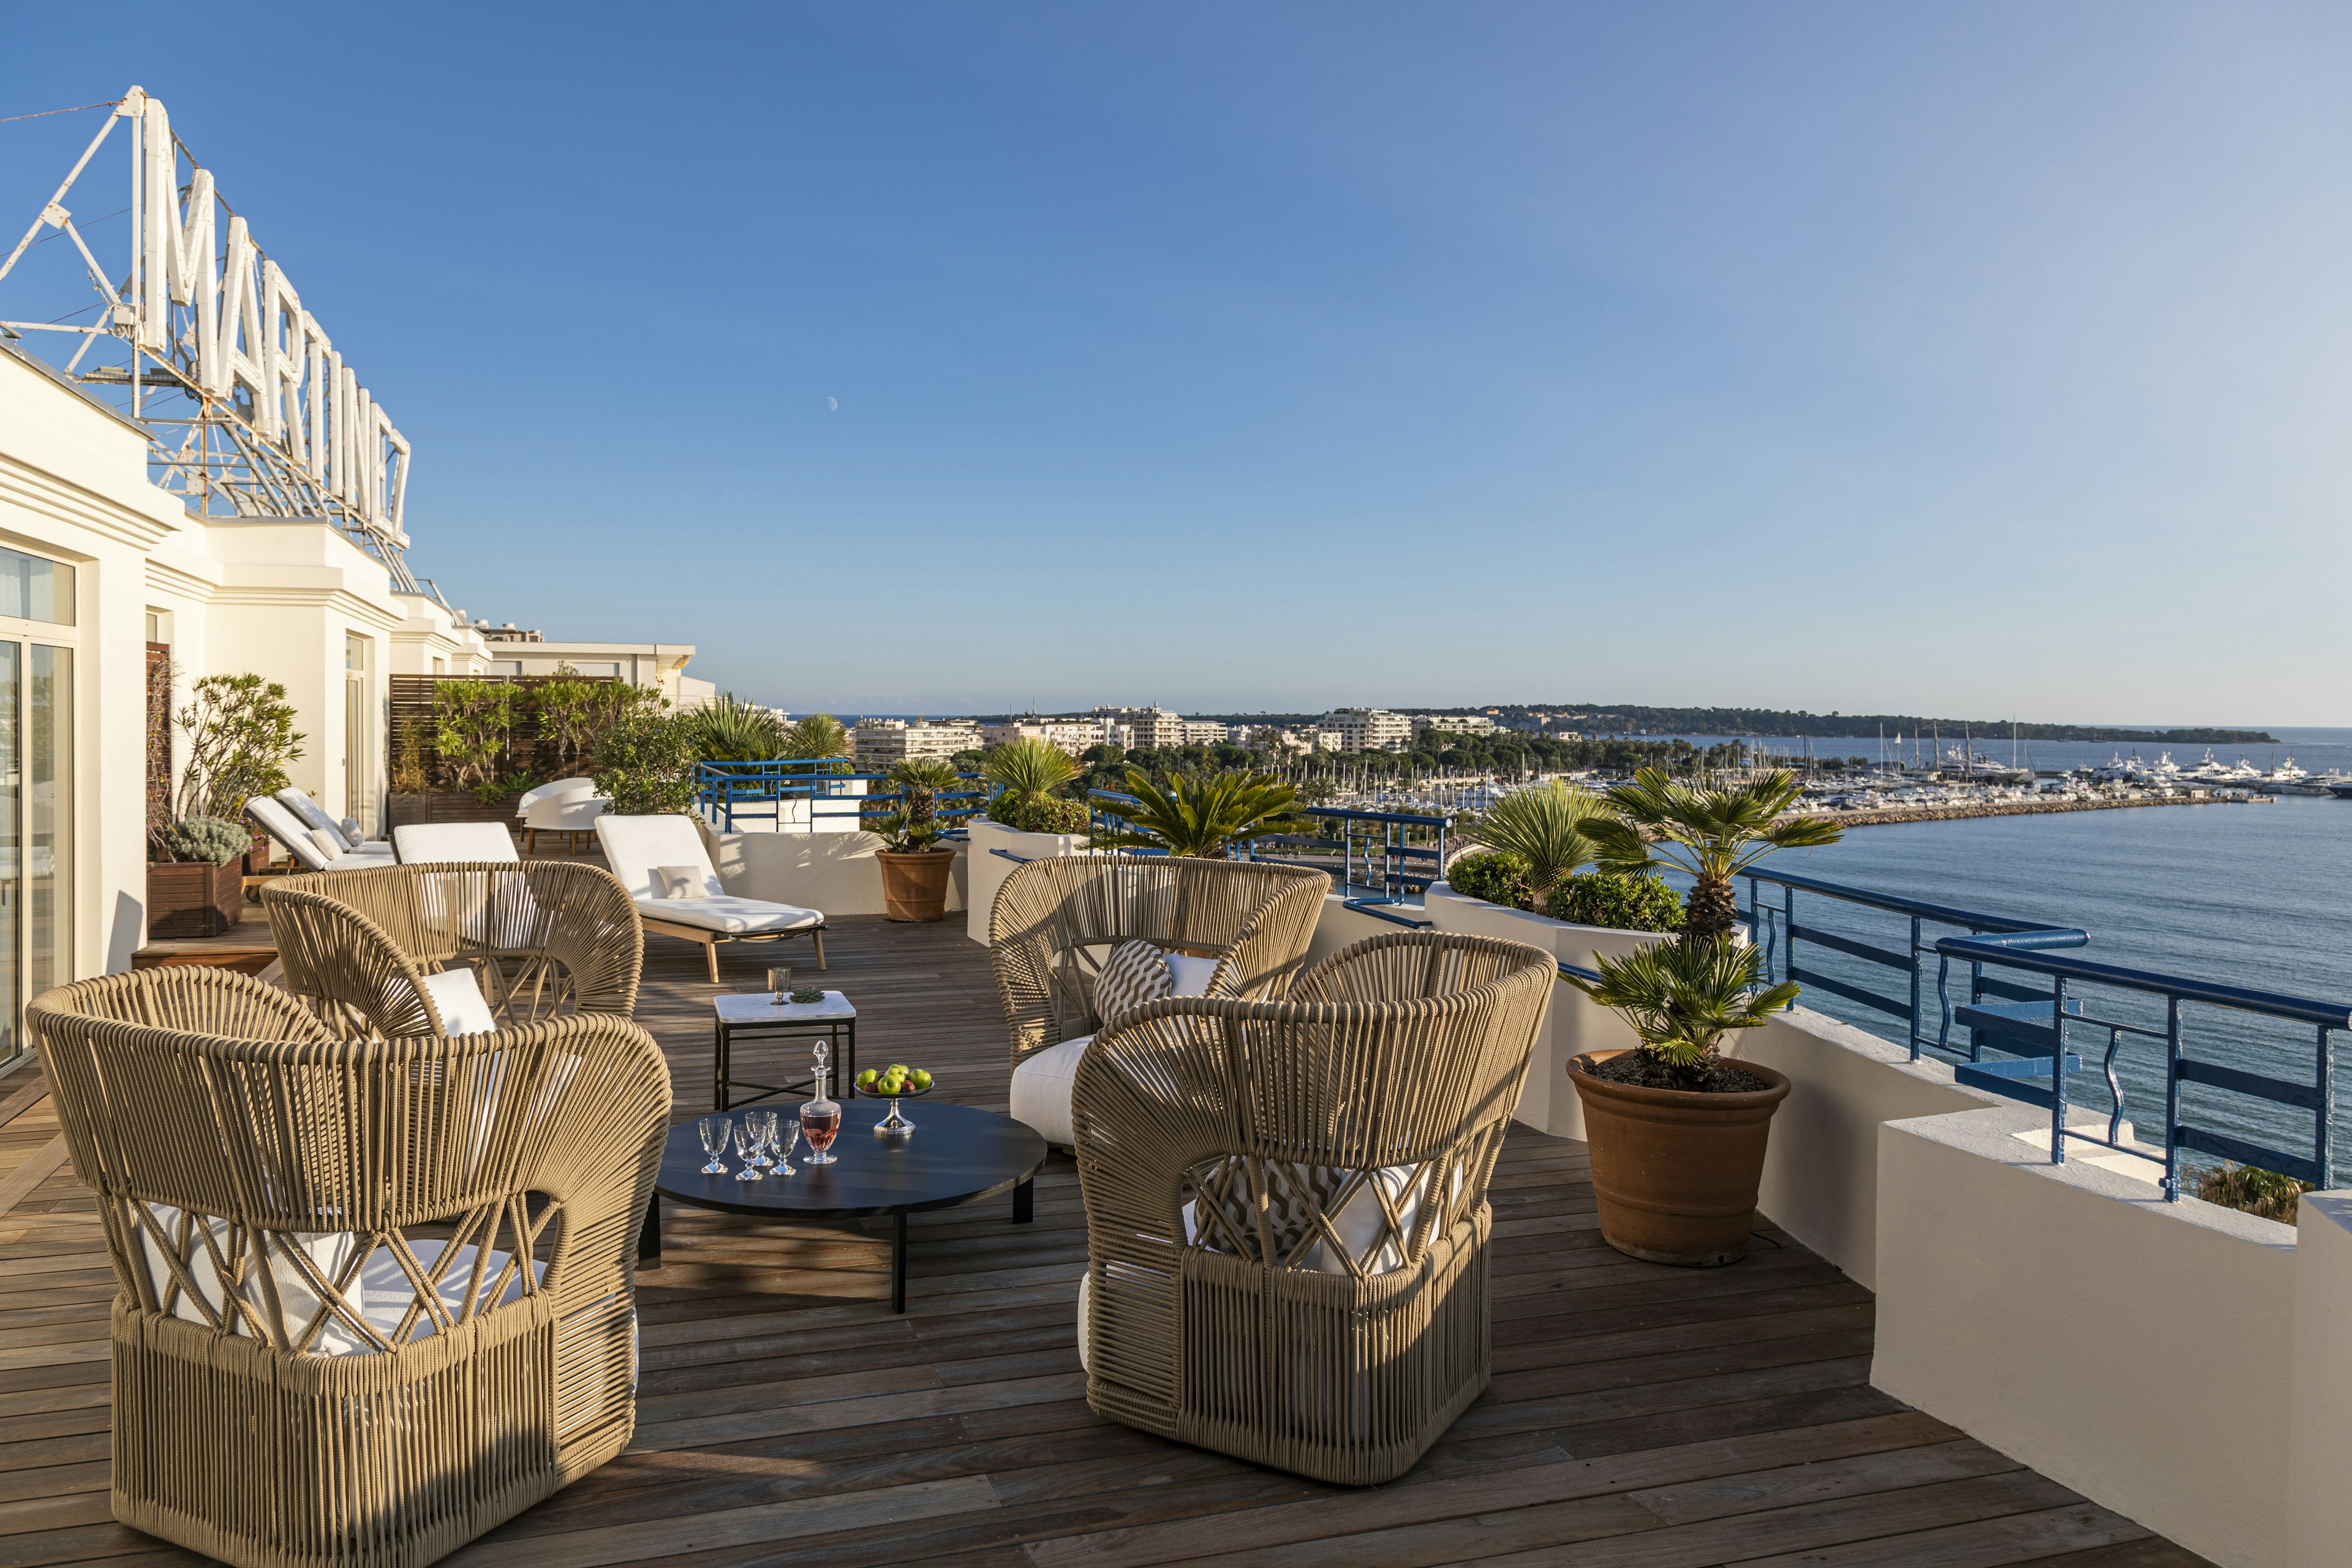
(1988,359)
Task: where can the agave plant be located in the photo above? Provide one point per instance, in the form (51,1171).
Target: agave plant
(917,824)
(1683,998)
(1711,827)
(1548,827)
(731,731)
(1202,818)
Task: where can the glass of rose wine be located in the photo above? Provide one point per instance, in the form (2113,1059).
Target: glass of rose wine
(820,1118)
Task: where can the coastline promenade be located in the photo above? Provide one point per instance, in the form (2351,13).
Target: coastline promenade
(1953,812)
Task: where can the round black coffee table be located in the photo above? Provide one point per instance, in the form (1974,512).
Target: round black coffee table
(955,1155)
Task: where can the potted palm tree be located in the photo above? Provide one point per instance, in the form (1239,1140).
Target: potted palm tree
(1678,1133)
(915,866)
(1547,828)
(1202,817)
(1030,775)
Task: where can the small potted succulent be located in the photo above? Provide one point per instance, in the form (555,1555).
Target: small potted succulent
(1678,1133)
(916,867)
(196,878)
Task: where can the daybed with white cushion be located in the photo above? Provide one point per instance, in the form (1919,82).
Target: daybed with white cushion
(372,1298)
(662,862)
(1287,1217)
(319,848)
(1220,928)
(472,842)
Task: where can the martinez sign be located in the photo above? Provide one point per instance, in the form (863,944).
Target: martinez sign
(281,426)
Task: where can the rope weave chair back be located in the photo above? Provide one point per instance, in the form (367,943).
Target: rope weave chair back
(1055,920)
(544,938)
(373,1297)
(1287,1202)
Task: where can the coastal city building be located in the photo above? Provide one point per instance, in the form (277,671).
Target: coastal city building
(660,665)
(881,742)
(1369,729)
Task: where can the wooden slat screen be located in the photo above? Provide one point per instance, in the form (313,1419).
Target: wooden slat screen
(412,713)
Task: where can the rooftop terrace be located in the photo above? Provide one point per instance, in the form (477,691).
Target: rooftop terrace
(1639,1415)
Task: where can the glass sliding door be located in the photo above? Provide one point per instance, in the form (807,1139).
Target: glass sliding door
(12,853)
(48,819)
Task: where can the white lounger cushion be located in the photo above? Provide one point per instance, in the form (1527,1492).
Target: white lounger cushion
(284,826)
(730,916)
(463,843)
(310,814)
(458,997)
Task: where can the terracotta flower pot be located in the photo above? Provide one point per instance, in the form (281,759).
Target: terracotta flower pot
(1676,1171)
(914,883)
(193,899)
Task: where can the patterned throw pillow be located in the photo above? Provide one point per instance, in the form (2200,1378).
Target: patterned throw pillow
(1226,1206)
(1136,973)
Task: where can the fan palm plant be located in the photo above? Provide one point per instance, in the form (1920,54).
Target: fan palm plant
(1711,827)
(1683,998)
(1029,767)
(816,736)
(1202,817)
(1548,827)
(917,824)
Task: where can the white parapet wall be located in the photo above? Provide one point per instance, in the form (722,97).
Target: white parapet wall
(2319,1420)
(2144,1353)
(987,868)
(835,872)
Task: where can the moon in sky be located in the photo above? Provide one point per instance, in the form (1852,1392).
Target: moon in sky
(834,403)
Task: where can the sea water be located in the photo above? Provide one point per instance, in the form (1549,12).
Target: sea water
(2257,896)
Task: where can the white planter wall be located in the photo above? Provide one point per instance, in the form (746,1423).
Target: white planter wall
(988,869)
(835,872)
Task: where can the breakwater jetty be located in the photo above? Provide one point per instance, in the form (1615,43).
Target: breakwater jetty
(1953,811)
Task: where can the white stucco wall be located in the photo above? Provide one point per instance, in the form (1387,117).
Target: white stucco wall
(2319,1417)
(2139,1352)
(835,872)
(986,870)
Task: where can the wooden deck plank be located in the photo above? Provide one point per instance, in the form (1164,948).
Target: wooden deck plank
(1639,1415)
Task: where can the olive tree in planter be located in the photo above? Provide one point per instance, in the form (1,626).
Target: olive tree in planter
(241,737)
(915,868)
(1678,1134)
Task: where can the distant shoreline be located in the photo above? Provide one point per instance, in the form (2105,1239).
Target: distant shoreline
(1889,815)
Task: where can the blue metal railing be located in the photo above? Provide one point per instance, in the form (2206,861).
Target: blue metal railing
(2182,1130)
(1777,931)
(2021,1037)
(729,790)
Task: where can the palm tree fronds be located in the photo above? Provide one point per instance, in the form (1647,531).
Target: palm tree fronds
(1202,817)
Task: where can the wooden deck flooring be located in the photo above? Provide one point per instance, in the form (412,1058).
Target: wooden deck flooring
(1640,1416)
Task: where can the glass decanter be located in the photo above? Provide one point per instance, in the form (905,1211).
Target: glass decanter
(820,1118)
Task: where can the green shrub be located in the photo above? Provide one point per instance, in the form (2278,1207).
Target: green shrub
(471,722)
(645,763)
(1497,876)
(571,714)
(1621,901)
(2253,1189)
(241,735)
(209,839)
(1038,812)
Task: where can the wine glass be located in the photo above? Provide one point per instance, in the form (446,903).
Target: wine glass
(790,1134)
(763,1122)
(714,1130)
(780,985)
(820,1118)
(747,1149)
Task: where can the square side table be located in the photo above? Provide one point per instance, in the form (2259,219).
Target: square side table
(755,1013)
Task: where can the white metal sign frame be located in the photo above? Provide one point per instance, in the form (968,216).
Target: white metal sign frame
(250,410)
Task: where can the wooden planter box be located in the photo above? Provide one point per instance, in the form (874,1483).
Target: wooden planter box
(447,805)
(193,900)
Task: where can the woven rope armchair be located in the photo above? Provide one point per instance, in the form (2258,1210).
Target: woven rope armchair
(1055,918)
(373,1298)
(1286,1218)
(543,937)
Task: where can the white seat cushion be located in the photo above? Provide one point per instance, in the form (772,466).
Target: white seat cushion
(374,852)
(458,997)
(465,843)
(730,916)
(1041,1091)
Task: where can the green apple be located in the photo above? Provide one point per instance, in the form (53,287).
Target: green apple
(919,1078)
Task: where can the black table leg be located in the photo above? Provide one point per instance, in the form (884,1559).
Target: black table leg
(898,1261)
(649,1235)
(718,1067)
(1024,1202)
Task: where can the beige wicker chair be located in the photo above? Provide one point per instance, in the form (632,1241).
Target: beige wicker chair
(1056,919)
(373,1298)
(1287,1219)
(543,937)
